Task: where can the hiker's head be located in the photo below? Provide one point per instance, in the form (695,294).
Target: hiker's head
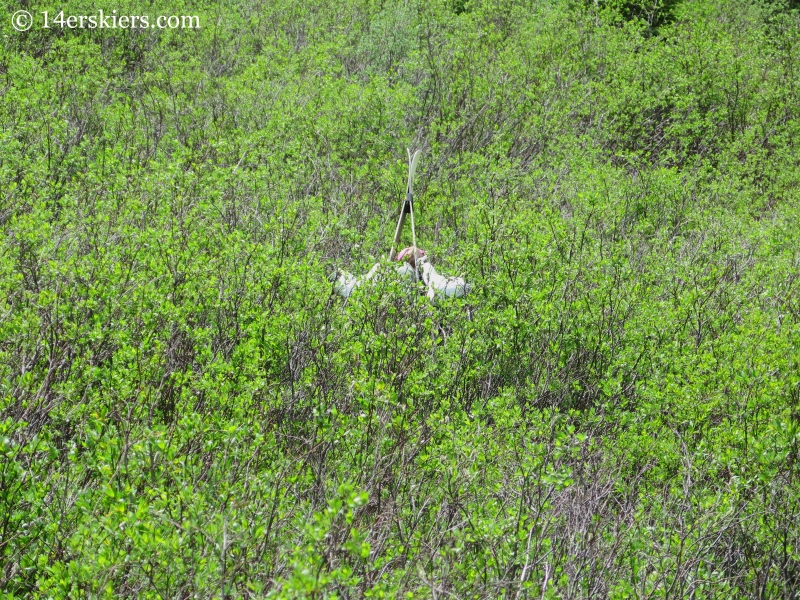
(407,255)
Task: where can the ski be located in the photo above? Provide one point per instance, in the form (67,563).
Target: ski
(407,207)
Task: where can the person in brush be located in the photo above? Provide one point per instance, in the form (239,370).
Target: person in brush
(414,265)
(410,268)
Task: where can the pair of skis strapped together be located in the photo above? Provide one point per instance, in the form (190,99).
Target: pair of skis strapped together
(408,208)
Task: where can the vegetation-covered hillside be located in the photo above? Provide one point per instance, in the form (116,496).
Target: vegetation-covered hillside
(187,412)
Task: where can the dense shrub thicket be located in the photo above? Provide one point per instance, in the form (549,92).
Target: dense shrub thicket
(186,411)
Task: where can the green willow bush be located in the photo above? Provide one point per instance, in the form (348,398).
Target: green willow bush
(187,411)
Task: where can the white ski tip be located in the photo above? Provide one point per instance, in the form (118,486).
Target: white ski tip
(413,161)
